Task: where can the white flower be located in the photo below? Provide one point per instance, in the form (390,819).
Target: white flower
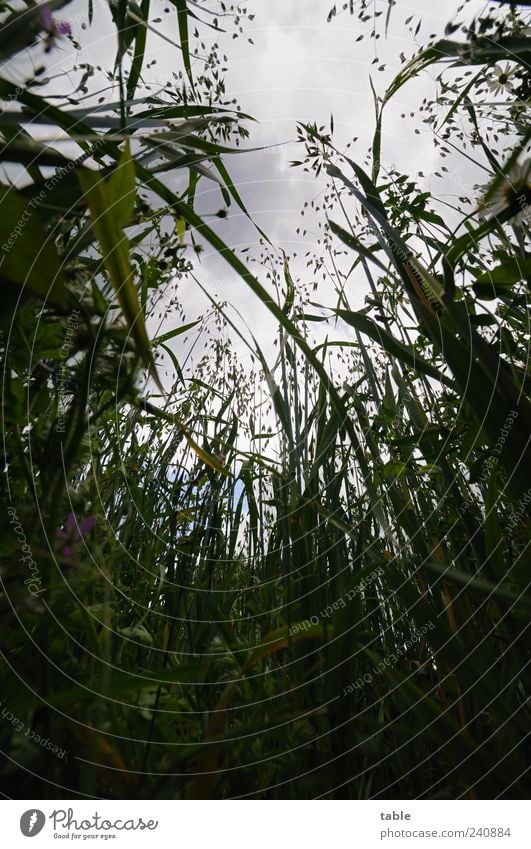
(501,79)
(514,193)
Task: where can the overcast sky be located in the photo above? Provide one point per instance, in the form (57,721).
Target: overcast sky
(300,68)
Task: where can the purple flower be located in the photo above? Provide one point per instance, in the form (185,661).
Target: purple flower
(52,27)
(63,28)
(73,531)
(46,19)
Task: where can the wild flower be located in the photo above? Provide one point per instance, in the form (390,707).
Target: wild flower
(74,531)
(52,27)
(501,79)
(513,193)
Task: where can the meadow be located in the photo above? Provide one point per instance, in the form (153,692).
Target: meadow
(301,577)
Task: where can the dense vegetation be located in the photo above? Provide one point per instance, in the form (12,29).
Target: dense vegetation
(302,579)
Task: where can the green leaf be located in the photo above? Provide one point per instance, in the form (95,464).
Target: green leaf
(518,47)
(125,683)
(280,638)
(518,601)
(394,468)
(431,217)
(180,227)
(138,58)
(354,243)
(121,188)
(203,455)
(470,240)
(101,307)
(182,18)
(461,97)
(115,254)
(290,288)
(509,272)
(171,334)
(126,27)
(28,254)
(406,353)
(175,362)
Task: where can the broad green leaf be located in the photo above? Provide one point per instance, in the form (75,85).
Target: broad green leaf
(28,253)
(115,254)
(509,272)
(121,189)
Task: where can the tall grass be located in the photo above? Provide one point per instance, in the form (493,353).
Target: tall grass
(304,581)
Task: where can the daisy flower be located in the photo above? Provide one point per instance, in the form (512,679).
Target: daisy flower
(513,193)
(501,79)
